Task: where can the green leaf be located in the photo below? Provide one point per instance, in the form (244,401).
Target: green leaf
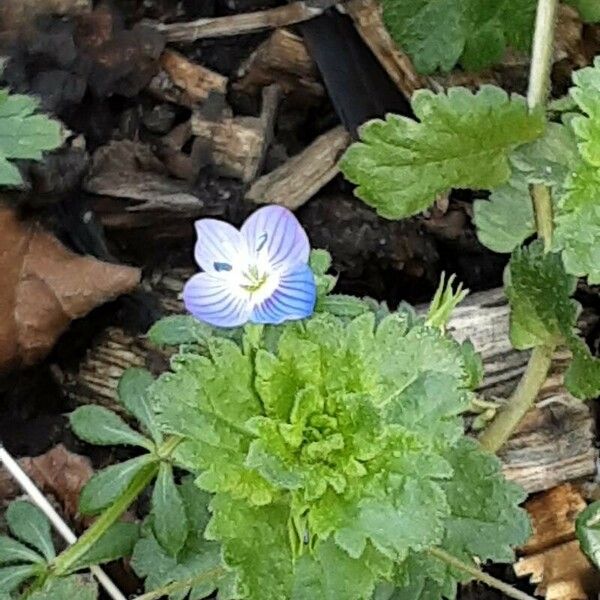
(462,141)
(12,551)
(118,541)
(539,292)
(75,587)
(23,134)
(438,34)
(582,378)
(106,485)
(577,214)
(587,527)
(343,306)
(169,517)
(30,525)
(178,329)
(197,557)
(320,261)
(102,427)
(589,10)
(133,391)
(12,577)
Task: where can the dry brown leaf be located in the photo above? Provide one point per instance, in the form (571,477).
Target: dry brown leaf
(58,472)
(44,287)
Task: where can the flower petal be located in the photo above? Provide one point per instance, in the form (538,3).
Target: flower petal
(211,298)
(219,247)
(274,232)
(294,298)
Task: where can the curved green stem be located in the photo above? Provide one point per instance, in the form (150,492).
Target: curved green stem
(520,402)
(177,586)
(508,419)
(65,561)
(476,573)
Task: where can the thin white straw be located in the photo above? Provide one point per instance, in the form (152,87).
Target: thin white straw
(12,466)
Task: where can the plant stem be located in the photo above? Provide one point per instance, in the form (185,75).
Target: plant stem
(69,557)
(177,586)
(478,574)
(520,401)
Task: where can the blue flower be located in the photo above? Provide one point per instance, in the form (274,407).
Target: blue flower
(258,274)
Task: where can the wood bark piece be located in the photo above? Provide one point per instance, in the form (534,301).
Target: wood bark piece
(302,176)
(561,450)
(44,287)
(130,170)
(368,20)
(237,145)
(555,442)
(553,558)
(282,59)
(184,82)
(296,12)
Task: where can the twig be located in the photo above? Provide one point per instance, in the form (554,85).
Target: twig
(12,466)
(296,12)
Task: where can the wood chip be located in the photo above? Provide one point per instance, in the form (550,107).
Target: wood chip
(302,176)
(184,82)
(283,59)
(237,145)
(296,12)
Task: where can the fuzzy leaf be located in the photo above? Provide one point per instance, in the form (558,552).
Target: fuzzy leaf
(23,134)
(12,551)
(198,556)
(75,587)
(169,518)
(462,141)
(30,525)
(104,487)
(438,34)
(133,392)
(589,10)
(102,427)
(175,330)
(539,292)
(12,577)
(582,378)
(118,541)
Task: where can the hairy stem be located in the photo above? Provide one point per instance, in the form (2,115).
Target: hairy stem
(520,402)
(65,561)
(178,586)
(478,574)
(508,419)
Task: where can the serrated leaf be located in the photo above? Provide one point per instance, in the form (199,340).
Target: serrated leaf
(343,306)
(12,551)
(319,261)
(133,391)
(539,292)
(587,527)
(438,34)
(23,134)
(462,141)
(169,517)
(75,587)
(175,330)
(106,485)
(12,577)
(30,525)
(118,541)
(102,427)
(582,377)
